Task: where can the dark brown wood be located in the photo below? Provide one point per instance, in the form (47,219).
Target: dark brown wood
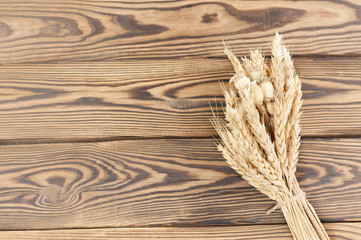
(43,31)
(82,101)
(337,231)
(162,183)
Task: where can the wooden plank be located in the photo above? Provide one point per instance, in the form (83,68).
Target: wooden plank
(157,98)
(41,30)
(336,231)
(162,183)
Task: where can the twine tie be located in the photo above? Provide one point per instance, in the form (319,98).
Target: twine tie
(287,201)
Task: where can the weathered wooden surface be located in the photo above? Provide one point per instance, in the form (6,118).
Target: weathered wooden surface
(157,98)
(161,182)
(42,30)
(337,231)
(76,74)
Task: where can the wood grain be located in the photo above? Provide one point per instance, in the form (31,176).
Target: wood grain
(147,71)
(161,183)
(337,231)
(70,102)
(51,31)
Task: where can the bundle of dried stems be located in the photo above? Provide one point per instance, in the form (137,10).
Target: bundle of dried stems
(260,135)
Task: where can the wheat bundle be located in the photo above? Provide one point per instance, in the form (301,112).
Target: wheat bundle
(260,135)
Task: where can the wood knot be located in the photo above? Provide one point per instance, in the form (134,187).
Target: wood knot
(208,18)
(183,104)
(59,27)
(5,30)
(54,194)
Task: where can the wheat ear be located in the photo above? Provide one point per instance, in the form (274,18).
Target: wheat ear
(260,135)
(280,117)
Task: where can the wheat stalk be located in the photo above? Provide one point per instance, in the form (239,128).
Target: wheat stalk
(260,134)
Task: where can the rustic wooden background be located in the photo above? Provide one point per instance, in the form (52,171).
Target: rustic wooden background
(104,125)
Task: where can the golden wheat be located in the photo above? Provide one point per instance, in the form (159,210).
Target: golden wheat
(260,135)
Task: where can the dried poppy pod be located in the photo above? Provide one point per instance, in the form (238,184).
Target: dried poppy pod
(257,94)
(255,75)
(240,81)
(267,89)
(271,107)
